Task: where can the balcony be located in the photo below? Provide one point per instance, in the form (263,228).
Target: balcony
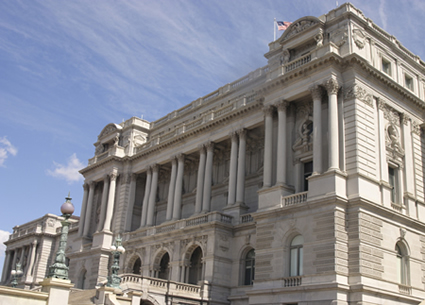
(294,199)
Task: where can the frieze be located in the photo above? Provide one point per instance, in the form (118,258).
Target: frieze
(359,93)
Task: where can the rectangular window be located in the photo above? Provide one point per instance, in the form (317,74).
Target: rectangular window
(392,179)
(408,82)
(386,66)
(308,170)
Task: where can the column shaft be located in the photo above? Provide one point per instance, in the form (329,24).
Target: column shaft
(146,198)
(200,180)
(332,88)
(171,189)
(281,143)
(111,200)
(268,142)
(316,93)
(104,203)
(34,246)
(240,187)
(179,188)
(208,178)
(5,268)
(152,196)
(83,210)
(87,219)
(231,199)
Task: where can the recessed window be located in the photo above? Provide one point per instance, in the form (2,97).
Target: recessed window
(296,263)
(408,82)
(386,66)
(402,264)
(308,170)
(392,180)
(249,264)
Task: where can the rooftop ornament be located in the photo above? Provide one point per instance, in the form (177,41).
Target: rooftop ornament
(116,249)
(59,269)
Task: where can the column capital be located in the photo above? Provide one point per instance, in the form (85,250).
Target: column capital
(282,105)
(316,91)
(381,103)
(92,183)
(331,85)
(134,176)
(268,110)
(242,133)
(404,118)
(113,175)
(173,160)
(233,135)
(154,168)
(34,243)
(86,186)
(106,178)
(209,146)
(180,157)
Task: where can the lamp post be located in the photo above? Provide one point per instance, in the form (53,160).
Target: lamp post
(59,269)
(116,249)
(16,274)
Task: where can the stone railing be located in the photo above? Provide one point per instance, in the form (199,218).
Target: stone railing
(292,281)
(180,224)
(294,199)
(149,284)
(246,218)
(298,63)
(404,289)
(113,151)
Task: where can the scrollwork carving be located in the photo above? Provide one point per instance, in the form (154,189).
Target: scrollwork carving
(357,92)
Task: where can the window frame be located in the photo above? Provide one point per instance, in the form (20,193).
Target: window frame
(296,255)
(408,82)
(245,281)
(402,263)
(385,62)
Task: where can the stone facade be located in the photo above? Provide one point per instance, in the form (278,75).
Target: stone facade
(300,183)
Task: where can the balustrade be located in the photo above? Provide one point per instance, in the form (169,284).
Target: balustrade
(294,199)
(292,281)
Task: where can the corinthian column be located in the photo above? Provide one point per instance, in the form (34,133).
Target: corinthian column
(240,187)
(268,142)
(179,187)
(200,180)
(332,88)
(171,188)
(103,203)
(111,200)
(87,219)
(152,195)
(83,210)
(32,257)
(208,178)
(316,93)
(233,169)
(146,197)
(281,143)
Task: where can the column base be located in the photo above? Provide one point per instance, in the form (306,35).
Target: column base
(103,239)
(236,210)
(269,198)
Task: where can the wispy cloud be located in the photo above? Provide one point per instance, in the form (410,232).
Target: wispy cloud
(4,236)
(6,149)
(68,171)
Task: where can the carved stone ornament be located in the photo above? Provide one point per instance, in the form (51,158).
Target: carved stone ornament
(357,92)
(108,129)
(402,232)
(299,27)
(285,57)
(339,37)
(319,38)
(391,115)
(416,128)
(359,38)
(316,92)
(404,119)
(392,143)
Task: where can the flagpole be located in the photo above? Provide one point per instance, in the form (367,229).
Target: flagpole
(274,29)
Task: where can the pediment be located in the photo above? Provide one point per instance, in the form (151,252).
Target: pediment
(110,128)
(299,26)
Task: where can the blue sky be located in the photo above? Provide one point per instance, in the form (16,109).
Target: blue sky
(68,68)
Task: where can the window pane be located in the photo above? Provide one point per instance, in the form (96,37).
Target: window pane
(298,240)
(294,262)
(301,261)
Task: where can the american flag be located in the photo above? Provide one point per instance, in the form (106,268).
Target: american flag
(283,25)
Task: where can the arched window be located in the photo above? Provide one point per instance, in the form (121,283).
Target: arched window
(402,264)
(195,269)
(163,267)
(249,267)
(296,259)
(137,266)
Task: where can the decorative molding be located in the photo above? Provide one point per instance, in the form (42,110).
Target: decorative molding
(299,27)
(404,119)
(357,92)
(339,37)
(416,128)
(282,105)
(268,110)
